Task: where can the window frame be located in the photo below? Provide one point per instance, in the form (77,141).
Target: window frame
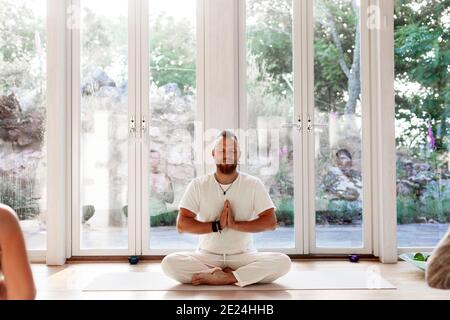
(62,180)
(143,233)
(133,99)
(367,225)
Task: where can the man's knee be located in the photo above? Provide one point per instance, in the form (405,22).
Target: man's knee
(172,266)
(282,264)
(278,263)
(169,265)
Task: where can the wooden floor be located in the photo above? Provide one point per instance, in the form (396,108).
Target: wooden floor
(67,282)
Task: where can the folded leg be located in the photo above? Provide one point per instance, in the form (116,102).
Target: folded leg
(260,267)
(183,266)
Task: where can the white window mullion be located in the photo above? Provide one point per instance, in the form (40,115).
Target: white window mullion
(56,132)
(307,63)
(382,104)
(134,113)
(75,99)
(366,130)
(143,236)
(307,74)
(69,133)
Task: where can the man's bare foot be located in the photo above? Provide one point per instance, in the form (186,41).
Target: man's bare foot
(216,278)
(228,270)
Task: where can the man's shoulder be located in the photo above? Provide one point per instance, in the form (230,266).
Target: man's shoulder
(248,178)
(202,180)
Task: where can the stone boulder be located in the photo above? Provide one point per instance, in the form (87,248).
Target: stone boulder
(21,129)
(9,107)
(414,178)
(94,81)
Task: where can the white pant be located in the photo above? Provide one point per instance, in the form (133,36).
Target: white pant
(250,268)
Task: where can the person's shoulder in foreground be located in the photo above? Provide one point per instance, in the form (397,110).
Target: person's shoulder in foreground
(438,269)
(18,281)
(8,221)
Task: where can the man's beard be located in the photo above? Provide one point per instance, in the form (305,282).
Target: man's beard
(226,168)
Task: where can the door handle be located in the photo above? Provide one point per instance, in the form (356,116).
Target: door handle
(133,125)
(311,124)
(297,125)
(144,125)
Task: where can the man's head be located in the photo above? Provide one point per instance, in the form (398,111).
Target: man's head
(226,152)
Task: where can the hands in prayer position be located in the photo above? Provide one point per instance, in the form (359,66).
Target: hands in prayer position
(227,216)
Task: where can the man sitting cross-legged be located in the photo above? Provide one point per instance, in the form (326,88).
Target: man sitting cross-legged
(224,209)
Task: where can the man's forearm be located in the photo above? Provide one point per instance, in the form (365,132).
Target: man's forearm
(255,226)
(195,227)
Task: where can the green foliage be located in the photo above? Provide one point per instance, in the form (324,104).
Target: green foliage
(285,211)
(164,219)
(422,57)
(262,101)
(105,45)
(340,212)
(173,53)
(17,40)
(330,82)
(436,202)
(407,210)
(270,42)
(434,209)
(19,196)
(96,41)
(22,45)
(88,213)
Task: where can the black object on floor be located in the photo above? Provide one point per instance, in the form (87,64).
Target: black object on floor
(133,260)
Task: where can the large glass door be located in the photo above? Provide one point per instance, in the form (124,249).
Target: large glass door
(270,115)
(134,110)
(138,108)
(104,127)
(23,116)
(337,127)
(422,122)
(306,121)
(170,103)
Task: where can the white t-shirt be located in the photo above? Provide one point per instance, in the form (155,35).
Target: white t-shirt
(248,198)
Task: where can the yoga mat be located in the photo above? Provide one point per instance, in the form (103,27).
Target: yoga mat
(295,280)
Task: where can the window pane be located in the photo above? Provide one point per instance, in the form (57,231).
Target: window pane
(23,105)
(270,146)
(173,80)
(104,124)
(422,90)
(338,119)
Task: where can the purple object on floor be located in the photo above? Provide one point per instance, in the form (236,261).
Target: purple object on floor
(353,258)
